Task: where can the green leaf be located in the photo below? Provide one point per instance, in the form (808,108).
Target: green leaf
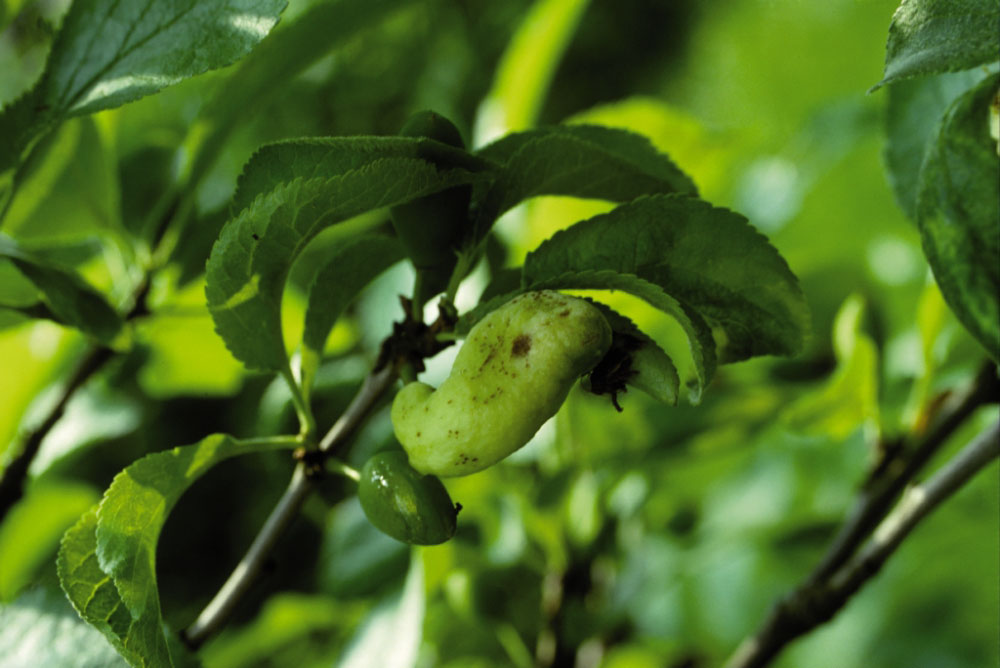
(913,110)
(527,66)
(703,348)
(92,592)
(326,157)
(287,626)
(246,271)
(849,399)
(68,297)
(711,260)
(588,161)
(395,623)
(107,563)
(108,53)
(266,72)
(41,629)
(351,266)
(655,374)
(34,311)
(959,213)
(931,36)
(356,559)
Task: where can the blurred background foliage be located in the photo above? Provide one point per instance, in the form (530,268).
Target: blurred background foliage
(655,537)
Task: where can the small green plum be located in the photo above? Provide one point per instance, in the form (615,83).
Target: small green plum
(399,501)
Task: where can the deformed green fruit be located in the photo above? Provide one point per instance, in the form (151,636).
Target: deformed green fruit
(432,228)
(511,375)
(404,504)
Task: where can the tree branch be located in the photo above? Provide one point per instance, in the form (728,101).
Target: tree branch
(817,602)
(375,384)
(881,492)
(221,607)
(16,472)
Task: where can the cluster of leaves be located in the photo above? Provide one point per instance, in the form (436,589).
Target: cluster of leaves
(705,266)
(944,85)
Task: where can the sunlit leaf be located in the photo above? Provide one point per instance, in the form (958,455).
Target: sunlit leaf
(390,636)
(107,563)
(41,629)
(849,400)
(959,214)
(95,597)
(527,67)
(30,532)
(108,53)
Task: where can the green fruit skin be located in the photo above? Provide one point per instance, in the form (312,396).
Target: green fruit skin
(511,375)
(431,228)
(404,504)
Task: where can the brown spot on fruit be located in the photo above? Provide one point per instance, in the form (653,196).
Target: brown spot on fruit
(521,346)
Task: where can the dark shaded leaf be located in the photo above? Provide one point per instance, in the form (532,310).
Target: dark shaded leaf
(914,109)
(959,213)
(588,161)
(326,157)
(289,50)
(931,36)
(709,259)
(351,266)
(68,298)
(246,272)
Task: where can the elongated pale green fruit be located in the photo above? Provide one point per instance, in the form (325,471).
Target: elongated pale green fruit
(511,375)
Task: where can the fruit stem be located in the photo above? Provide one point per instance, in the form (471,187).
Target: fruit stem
(307,423)
(334,465)
(418,299)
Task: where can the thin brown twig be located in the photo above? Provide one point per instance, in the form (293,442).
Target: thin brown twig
(214,616)
(878,495)
(14,475)
(817,598)
(16,472)
(816,603)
